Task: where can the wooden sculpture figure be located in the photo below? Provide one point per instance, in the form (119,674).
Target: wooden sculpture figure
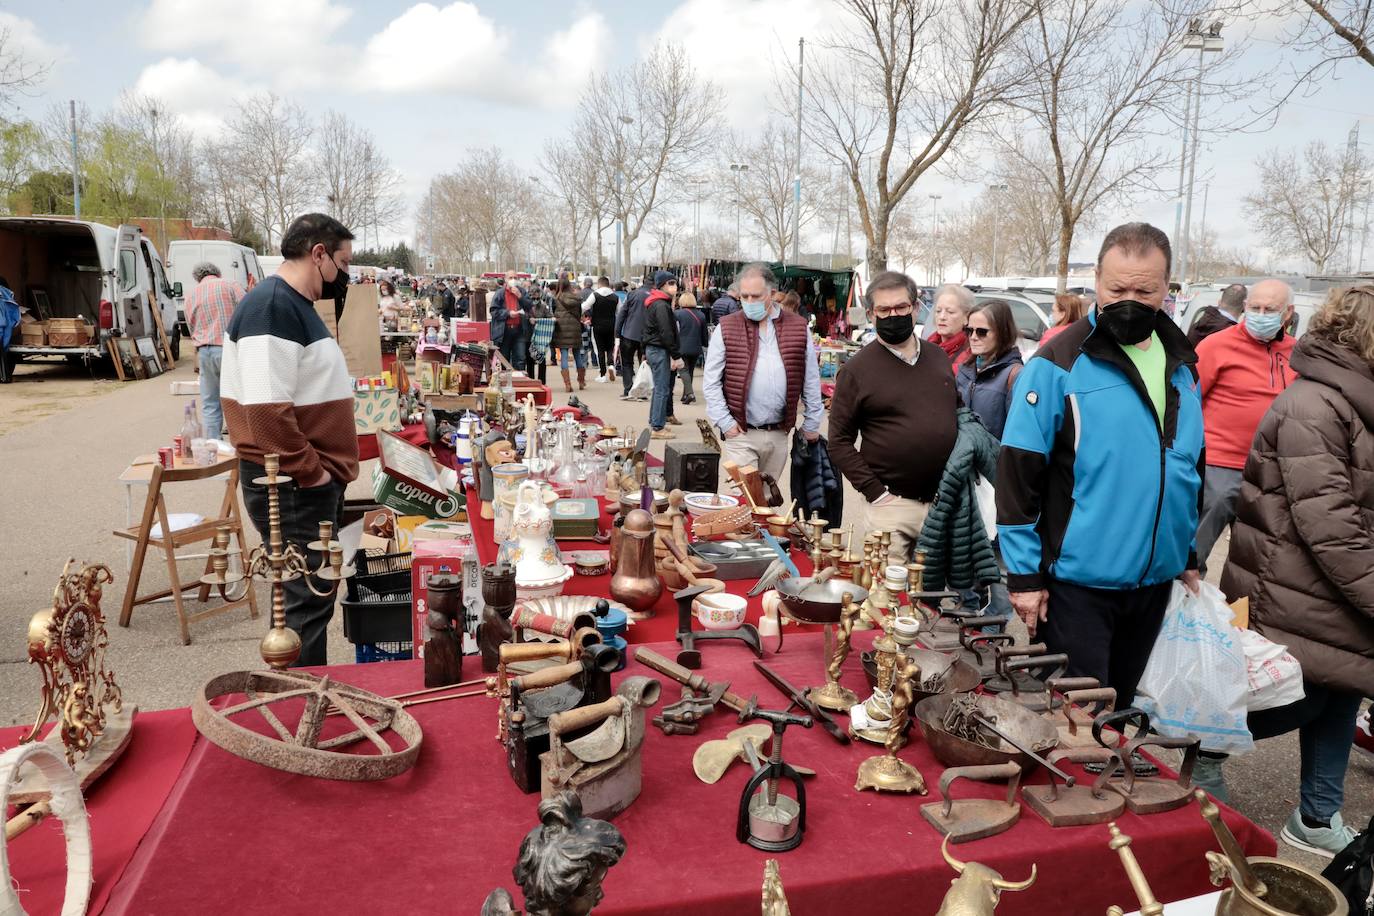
(498,595)
(562,862)
(444,642)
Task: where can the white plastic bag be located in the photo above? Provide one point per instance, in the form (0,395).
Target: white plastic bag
(1275,676)
(1195,682)
(986,495)
(643,384)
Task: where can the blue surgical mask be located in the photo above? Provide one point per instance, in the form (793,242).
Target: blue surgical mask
(1263,325)
(755,311)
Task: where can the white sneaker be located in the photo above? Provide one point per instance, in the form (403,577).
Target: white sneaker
(601,378)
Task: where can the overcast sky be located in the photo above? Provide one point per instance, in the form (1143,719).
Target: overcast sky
(431,80)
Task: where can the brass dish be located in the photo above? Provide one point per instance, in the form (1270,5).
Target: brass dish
(962,676)
(1032,730)
(812,602)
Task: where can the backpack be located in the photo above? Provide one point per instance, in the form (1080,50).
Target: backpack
(1352,871)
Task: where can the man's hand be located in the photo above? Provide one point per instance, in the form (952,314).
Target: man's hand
(319,481)
(1192,580)
(810,437)
(1032,607)
(883,500)
(734,432)
(676,364)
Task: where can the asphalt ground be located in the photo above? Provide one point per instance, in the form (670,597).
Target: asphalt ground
(65,437)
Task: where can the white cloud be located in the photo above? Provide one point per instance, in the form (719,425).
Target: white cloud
(203,97)
(749,40)
(457,49)
(289,41)
(24,38)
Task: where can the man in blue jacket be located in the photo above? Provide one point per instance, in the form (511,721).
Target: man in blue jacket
(1100,474)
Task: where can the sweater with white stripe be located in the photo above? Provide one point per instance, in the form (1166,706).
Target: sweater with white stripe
(285,387)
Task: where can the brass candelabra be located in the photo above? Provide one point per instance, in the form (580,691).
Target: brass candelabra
(277,562)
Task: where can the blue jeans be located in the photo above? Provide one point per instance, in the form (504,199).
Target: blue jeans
(513,348)
(579,356)
(1325,720)
(212,418)
(659,360)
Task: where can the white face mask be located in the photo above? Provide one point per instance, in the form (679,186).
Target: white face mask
(755,311)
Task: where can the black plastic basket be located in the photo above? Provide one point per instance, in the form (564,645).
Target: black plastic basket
(376,616)
(383,652)
(386,574)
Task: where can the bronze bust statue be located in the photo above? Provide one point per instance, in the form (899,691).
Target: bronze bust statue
(562,862)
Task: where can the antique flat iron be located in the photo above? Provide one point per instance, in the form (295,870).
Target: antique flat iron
(1080,708)
(603,765)
(965,819)
(767,819)
(1151,794)
(1062,805)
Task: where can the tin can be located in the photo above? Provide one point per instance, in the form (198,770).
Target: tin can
(179,446)
(166,456)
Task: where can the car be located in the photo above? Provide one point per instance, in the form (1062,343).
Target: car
(112,277)
(237,264)
(1031,317)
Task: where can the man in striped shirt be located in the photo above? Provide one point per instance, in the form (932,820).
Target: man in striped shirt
(286,391)
(208,308)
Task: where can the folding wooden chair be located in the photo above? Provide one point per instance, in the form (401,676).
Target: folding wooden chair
(169,541)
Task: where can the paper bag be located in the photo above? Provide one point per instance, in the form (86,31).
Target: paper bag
(356,331)
(374,409)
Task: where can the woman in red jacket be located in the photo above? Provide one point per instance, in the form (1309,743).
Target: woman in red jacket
(953,303)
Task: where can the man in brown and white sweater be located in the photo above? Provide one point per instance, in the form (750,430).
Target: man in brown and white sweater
(285,390)
(898,395)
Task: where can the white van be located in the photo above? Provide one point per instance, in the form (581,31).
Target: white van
(64,268)
(236,264)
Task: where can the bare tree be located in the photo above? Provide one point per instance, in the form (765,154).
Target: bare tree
(272,139)
(572,179)
(480,212)
(644,126)
(1105,77)
(668,230)
(897,87)
(765,190)
(1303,206)
(18,71)
(360,186)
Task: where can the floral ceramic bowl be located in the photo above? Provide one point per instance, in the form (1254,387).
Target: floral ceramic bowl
(720,611)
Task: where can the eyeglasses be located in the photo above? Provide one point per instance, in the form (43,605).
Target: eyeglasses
(902,308)
(980,332)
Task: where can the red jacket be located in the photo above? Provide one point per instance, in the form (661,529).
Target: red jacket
(1240,377)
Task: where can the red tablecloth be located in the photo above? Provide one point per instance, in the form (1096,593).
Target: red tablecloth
(121,805)
(663,624)
(438,838)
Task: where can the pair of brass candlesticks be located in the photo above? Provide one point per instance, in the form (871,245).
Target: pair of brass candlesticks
(277,562)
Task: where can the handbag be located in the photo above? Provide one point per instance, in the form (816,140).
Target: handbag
(1352,871)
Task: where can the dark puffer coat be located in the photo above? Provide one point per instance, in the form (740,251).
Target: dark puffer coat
(1302,549)
(567,311)
(954,537)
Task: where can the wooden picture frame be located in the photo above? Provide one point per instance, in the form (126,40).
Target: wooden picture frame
(128,356)
(41,303)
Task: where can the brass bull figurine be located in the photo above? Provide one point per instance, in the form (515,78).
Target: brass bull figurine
(977,889)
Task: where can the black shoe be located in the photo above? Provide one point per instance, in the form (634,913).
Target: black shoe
(689,400)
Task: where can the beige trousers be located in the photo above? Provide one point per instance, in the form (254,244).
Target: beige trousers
(765,449)
(904,518)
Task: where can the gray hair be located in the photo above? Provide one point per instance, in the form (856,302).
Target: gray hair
(204,269)
(962,295)
(758,269)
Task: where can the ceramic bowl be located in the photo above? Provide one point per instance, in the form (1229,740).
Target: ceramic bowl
(546,588)
(720,611)
(590,562)
(701,503)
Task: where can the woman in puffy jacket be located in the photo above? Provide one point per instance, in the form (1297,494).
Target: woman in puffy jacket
(1302,552)
(567,333)
(985,381)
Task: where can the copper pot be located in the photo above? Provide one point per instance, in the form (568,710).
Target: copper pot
(635,583)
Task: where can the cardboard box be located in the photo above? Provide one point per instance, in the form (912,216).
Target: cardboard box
(409,480)
(405,530)
(408,499)
(375,409)
(429,558)
(34,334)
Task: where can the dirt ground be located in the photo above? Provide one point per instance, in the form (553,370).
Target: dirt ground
(43,387)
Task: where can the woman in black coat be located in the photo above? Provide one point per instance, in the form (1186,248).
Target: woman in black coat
(691,334)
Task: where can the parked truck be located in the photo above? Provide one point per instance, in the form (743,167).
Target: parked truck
(112,277)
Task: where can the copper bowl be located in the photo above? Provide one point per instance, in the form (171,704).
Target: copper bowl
(962,677)
(810,602)
(1030,729)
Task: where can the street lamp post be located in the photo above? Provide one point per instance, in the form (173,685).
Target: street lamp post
(995,221)
(619,205)
(738,169)
(1204,43)
(935,222)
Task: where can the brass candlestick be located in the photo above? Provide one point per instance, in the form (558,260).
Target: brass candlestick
(817,526)
(831,695)
(878,707)
(278,562)
(887,772)
(883,598)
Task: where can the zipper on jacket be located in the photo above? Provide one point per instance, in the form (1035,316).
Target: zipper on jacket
(1159,511)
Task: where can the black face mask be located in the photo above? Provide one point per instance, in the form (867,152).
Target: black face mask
(1129,322)
(894,329)
(336,289)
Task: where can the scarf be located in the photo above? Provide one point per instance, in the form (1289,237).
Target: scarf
(955,347)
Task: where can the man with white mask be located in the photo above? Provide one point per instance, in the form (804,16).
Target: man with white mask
(760,367)
(1240,370)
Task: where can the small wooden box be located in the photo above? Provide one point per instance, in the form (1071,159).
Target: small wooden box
(69,332)
(34,334)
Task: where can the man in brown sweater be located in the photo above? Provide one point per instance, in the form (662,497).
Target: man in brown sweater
(898,394)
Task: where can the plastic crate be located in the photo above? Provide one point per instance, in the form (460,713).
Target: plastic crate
(369,652)
(385,574)
(382,563)
(376,616)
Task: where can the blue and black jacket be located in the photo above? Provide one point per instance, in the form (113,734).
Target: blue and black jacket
(1091,489)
